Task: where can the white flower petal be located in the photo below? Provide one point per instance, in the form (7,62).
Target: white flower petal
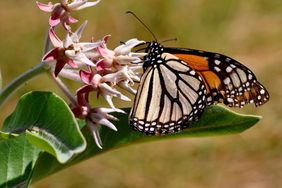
(87,46)
(70,74)
(133,54)
(55,39)
(108,89)
(119,111)
(124,59)
(94,55)
(109,100)
(95,133)
(136,61)
(123,97)
(100,119)
(80,57)
(125,49)
(76,4)
(88,4)
(125,86)
(135,67)
(70,53)
(107,123)
(111,117)
(117,76)
(135,78)
(68,41)
(109,110)
(78,33)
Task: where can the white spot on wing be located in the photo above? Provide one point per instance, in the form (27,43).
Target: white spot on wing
(226,81)
(217,62)
(233,66)
(262,92)
(192,72)
(228,69)
(217,69)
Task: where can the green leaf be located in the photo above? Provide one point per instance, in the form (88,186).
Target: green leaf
(48,123)
(4,135)
(17,160)
(218,120)
(215,121)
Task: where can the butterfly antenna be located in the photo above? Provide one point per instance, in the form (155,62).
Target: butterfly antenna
(133,14)
(169,40)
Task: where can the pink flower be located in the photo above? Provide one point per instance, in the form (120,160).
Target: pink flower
(102,84)
(60,12)
(94,116)
(120,56)
(70,51)
(101,116)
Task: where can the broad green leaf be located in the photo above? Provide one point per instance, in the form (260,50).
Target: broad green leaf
(17,159)
(4,135)
(215,121)
(48,123)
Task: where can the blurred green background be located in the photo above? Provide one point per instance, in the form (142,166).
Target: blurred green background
(250,31)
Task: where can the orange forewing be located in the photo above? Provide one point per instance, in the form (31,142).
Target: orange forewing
(201,65)
(211,78)
(195,62)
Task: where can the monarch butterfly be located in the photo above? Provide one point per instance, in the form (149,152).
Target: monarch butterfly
(178,83)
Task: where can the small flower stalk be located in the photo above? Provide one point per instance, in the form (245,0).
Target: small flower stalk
(99,69)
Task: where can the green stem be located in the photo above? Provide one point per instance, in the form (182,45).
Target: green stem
(19,81)
(64,89)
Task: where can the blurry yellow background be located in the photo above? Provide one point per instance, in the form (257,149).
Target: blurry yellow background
(249,31)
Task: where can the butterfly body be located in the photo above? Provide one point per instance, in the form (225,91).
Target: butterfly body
(178,83)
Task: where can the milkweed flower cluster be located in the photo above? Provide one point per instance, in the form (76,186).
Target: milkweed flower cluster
(98,68)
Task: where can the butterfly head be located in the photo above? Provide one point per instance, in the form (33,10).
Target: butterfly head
(154,51)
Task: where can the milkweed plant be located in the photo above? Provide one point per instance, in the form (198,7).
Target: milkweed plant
(45,134)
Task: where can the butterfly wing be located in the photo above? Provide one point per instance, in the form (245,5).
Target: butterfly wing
(226,79)
(170,95)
